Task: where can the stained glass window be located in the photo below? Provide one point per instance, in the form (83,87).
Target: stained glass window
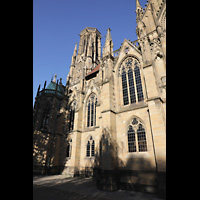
(91,111)
(138,84)
(131,86)
(136,136)
(131,82)
(131,140)
(141,138)
(72,115)
(88,116)
(124,87)
(90,148)
(93,144)
(95,112)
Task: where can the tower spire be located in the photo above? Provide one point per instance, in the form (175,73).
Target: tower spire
(108,47)
(138,4)
(75,50)
(74,55)
(139,10)
(108,35)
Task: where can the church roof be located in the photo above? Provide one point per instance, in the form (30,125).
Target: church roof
(94,70)
(51,89)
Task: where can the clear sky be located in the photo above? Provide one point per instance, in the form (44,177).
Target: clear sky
(57,23)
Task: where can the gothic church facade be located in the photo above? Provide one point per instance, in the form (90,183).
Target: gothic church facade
(111,115)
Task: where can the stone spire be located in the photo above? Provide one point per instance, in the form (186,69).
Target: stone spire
(108,35)
(74,55)
(139,10)
(75,50)
(108,47)
(138,4)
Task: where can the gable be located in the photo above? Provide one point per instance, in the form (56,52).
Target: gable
(128,49)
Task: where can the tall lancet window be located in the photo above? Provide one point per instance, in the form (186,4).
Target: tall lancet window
(88,114)
(138,82)
(72,109)
(124,87)
(132,89)
(91,110)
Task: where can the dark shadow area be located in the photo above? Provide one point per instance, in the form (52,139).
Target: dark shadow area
(81,188)
(49,153)
(109,172)
(137,174)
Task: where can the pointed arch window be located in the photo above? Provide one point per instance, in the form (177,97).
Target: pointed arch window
(90,149)
(124,87)
(138,83)
(136,136)
(69,149)
(132,89)
(45,117)
(91,110)
(88,115)
(72,115)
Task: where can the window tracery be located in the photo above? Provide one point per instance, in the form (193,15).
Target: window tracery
(136,136)
(90,149)
(72,110)
(131,81)
(91,110)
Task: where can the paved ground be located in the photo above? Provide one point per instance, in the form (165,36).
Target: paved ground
(58,187)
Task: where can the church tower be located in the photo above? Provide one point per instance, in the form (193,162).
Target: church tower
(89,53)
(48,138)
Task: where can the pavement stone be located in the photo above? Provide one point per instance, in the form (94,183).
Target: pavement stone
(80,189)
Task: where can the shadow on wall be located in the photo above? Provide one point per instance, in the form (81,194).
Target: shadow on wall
(49,153)
(137,174)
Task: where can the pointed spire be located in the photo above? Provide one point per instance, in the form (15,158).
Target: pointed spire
(108,47)
(108,35)
(139,10)
(138,4)
(74,55)
(75,50)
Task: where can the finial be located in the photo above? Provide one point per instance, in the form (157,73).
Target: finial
(55,76)
(45,84)
(108,35)
(60,81)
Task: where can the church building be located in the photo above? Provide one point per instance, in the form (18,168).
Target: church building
(110,117)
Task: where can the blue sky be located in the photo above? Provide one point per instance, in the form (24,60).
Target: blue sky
(57,23)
